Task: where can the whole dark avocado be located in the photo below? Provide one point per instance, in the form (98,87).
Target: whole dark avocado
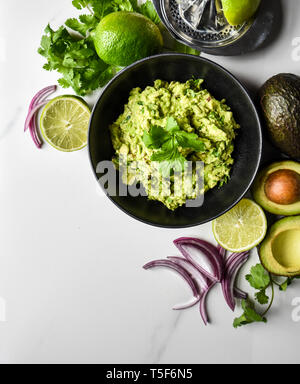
(280,101)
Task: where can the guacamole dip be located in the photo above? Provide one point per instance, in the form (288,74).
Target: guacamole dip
(161,122)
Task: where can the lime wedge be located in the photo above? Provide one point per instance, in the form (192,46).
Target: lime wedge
(64,123)
(242,228)
(239,11)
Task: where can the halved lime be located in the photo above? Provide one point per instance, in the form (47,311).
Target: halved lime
(242,228)
(64,123)
(239,11)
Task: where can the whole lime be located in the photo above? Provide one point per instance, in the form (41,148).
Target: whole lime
(122,38)
(239,11)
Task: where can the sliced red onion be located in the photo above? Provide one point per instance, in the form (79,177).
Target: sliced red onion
(200,280)
(39,97)
(203,309)
(208,250)
(222,252)
(33,132)
(178,269)
(233,265)
(37,102)
(31,123)
(239,294)
(35,137)
(32,113)
(181,307)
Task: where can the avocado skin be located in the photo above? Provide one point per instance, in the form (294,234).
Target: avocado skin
(265,250)
(280,102)
(258,189)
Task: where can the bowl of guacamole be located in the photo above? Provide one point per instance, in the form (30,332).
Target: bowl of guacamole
(160,118)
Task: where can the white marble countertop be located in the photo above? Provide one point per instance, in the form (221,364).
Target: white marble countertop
(71,263)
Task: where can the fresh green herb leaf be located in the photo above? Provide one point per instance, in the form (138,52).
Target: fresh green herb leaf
(261,297)
(85,24)
(172,125)
(167,140)
(249,316)
(259,278)
(182,48)
(156,137)
(170,159)
(98,8)
(80,4)
(75,59)
(148,10)
(284,286)
(190,140)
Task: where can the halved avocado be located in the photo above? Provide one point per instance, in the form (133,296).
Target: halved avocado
(284,172)
(280,251)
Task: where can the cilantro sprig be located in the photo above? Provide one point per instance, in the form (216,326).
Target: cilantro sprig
(166,141)
(249,315)
(261,280)
(75,59)
(284,286)
(101,8)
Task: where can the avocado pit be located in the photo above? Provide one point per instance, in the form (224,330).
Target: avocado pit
(283,187)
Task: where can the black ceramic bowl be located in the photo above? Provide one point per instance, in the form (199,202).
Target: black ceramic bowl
(221,84)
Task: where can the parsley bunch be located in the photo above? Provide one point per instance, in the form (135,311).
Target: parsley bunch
(166,141)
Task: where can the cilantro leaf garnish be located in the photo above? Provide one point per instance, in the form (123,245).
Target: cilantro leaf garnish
(258,277)
(172,125)
(249,316)
(166,141)
(190,140)
(155,138)
(261,280)
(148,10)
(261,297)
(284,286)
(85,24)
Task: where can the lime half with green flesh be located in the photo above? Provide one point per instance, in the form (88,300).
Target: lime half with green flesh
(64,123)
(239,11)
(242,228)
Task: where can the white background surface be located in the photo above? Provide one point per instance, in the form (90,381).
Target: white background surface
(71,263)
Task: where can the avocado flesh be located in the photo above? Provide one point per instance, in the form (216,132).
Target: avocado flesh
(280,101)
(280,251)
(259,195)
